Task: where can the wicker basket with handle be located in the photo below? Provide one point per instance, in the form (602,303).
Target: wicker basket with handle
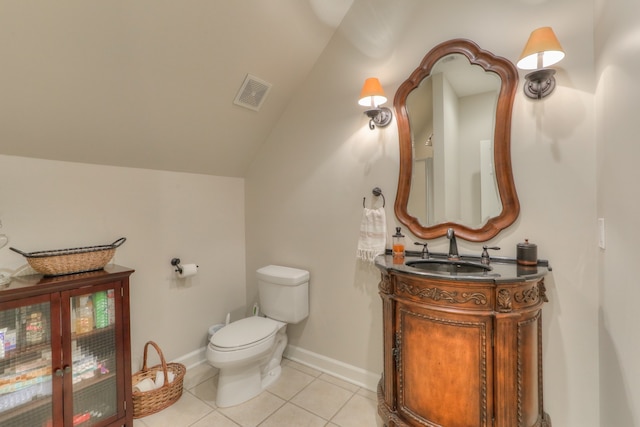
(152,401)
(68,261)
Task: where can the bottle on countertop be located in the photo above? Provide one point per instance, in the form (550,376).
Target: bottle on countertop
(398,247)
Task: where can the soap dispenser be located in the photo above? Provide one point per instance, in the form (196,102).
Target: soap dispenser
(398,247)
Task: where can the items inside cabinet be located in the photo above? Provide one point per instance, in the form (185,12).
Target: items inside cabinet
(93,355)
(25,365)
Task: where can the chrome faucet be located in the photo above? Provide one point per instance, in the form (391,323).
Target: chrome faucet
(484,257)
(425,252)
(453,245)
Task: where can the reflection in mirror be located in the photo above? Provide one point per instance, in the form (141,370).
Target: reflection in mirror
(454,121)
(451,116)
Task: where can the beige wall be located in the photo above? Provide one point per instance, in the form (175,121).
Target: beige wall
(198,218)
(617,38)
(305,187)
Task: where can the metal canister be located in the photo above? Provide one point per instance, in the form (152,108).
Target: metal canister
(527,253)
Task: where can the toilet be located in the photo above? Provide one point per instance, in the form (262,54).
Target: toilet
(248,352)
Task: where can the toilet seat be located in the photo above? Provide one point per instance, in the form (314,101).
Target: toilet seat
(244,333)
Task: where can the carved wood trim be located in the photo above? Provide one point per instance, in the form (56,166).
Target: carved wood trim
(504,301)
(520,379)
(543,290)
(437,294)
(527,295)
(385,283)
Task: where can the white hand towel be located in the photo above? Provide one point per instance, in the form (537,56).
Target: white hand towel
(373,234)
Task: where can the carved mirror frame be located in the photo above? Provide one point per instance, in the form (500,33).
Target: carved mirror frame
(502,142)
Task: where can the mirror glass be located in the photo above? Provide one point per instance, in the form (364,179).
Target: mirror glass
(451,117)
(454,115)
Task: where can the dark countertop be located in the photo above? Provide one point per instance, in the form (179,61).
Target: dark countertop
(502,269)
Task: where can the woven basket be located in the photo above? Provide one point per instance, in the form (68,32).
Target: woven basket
(152,401)
(69,261)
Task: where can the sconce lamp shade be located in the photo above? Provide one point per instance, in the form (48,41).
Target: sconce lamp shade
(542,45)
(372,94)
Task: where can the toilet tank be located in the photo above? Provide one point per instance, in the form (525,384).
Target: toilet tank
(283,293)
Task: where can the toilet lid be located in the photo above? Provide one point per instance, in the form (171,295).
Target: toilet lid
(244,332)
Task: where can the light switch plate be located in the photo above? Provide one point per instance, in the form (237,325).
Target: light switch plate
(601,233)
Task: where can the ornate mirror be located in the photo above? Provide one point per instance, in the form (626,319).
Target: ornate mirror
(454,126)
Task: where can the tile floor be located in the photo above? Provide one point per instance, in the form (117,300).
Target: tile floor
(301,397)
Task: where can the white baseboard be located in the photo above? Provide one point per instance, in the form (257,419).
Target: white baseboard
(336,368)
(193,359)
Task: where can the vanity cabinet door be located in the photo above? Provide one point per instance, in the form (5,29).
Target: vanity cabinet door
(444,367)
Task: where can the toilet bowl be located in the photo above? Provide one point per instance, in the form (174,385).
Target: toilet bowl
(248,351)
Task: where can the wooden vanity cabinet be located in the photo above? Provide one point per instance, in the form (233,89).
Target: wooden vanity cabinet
(461,353)
(66,354)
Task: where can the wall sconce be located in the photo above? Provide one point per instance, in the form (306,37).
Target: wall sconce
(542,50)
(373,96)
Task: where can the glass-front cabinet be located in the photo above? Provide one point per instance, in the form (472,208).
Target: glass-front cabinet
(65,351)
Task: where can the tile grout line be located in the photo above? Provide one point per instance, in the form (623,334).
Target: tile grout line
(296,394)
(315,378)
(342,407)
(208,413)
(318,378)
(314,375)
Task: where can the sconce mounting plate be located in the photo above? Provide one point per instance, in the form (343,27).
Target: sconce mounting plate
(539,83)
(379,117)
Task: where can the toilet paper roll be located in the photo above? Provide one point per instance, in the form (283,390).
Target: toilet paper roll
(188,270)
(146,384)
(160,378)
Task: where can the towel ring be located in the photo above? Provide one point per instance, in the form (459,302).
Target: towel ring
(376,192)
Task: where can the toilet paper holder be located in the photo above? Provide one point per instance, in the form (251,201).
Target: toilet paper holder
(176,263)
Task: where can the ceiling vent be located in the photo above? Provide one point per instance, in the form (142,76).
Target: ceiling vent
(252,93)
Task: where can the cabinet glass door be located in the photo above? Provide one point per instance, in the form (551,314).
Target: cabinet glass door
(26,363)
(93,357)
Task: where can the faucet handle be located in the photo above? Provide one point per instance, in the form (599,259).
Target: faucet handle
(484,258)
(425,251)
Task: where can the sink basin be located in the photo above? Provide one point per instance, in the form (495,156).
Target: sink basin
(449,266)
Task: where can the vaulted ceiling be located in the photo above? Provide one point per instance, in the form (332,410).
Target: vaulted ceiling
(151,83)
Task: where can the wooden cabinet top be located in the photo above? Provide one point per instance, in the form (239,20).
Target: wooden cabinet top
(36,284)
